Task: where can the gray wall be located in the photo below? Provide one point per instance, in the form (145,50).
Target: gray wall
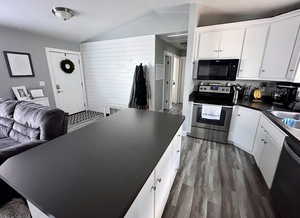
(160,47)
(173,19)
(22,41)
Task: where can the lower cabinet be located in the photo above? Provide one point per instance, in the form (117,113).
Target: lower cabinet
(243,127)
(267,148)
(151,200)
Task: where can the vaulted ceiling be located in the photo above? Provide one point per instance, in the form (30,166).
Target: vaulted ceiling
(95,17)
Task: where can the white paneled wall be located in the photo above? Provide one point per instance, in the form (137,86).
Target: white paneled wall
(109,68)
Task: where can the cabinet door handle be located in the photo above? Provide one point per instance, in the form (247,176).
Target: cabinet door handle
(292,70)
(159,180)
(178,151)
(238,115)
(262,70)
(153,188)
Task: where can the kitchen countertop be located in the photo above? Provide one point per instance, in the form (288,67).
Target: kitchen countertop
(266,109)
(96,171)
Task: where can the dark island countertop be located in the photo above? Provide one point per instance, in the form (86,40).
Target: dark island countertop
(96,171)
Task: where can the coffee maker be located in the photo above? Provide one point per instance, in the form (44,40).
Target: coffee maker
(284,95)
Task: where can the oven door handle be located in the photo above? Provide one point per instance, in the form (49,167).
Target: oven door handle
(293,155)
(226,106)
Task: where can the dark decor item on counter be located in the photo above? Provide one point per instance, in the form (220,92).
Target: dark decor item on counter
(19,64)
(139,92)
(67,66)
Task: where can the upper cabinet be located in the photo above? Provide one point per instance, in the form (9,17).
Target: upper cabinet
(220,44)
(279,49)
(268,49)
(209,45)
(253,51)
(231,43)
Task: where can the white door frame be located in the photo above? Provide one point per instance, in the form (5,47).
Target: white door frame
(167,53)
(48,50)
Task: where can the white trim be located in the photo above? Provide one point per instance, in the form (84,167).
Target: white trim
(48,50)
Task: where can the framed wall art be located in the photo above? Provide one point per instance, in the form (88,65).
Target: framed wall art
(19,64)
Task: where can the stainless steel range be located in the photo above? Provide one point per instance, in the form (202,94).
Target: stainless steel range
(217,97)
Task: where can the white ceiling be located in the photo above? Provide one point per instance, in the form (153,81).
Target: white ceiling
(99,16)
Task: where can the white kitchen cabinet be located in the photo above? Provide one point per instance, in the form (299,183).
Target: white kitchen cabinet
(151,200)
(253,51)
(294,70)
(267,148)
(221,44)
(279,48)
(243,127)
(143,205)
(209,45)
(231,43)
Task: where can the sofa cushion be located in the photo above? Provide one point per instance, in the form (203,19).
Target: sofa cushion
(5,126)
(33,121)
(7,108)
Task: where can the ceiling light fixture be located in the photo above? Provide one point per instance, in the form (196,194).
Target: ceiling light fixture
(177,35)
(62,13)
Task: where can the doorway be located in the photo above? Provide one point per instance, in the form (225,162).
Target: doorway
(67,80)
(173,82)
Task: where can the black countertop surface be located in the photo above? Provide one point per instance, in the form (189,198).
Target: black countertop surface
(96,171)
(266,109)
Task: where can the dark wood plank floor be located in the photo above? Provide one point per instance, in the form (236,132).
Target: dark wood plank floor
(217,181)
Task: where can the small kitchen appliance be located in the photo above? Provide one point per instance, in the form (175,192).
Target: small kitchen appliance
(220,69)
(284,95)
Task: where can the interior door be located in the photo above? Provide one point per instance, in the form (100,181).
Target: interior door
(68,87)
(175,80)
(279,48)
(167,82)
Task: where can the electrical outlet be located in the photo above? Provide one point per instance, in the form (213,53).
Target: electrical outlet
(42,83)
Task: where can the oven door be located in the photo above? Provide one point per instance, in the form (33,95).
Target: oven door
(222,124)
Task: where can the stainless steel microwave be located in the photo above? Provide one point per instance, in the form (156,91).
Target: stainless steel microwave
(221,69)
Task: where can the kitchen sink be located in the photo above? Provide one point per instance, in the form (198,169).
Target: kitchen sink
(290,119)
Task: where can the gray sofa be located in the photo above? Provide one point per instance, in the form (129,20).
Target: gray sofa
(24,125)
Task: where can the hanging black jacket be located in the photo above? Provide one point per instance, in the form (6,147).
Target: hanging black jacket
(138,98)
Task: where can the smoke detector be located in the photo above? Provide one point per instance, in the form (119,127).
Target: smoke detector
(62,13)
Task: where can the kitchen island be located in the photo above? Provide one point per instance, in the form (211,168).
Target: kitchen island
(101,170)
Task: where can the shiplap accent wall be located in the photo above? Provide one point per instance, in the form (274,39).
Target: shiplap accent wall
(109,68)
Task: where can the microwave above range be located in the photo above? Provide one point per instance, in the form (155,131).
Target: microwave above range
(220,69)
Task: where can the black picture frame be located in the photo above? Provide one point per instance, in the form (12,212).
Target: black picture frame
(11,73)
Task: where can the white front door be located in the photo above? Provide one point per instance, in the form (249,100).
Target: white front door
(68,87)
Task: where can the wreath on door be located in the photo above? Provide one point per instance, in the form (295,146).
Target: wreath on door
(67,66)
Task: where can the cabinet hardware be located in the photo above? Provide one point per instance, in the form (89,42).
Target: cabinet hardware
(153,188)
(238,115)
(292,70)
(262,70)
(159,180)
(178,151)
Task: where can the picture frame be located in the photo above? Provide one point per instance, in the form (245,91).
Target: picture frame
(19,64)
(36,93)
(21,93)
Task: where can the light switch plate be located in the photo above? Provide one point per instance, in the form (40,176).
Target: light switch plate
(42,83)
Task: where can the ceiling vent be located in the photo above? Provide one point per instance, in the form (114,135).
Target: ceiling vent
(63,13)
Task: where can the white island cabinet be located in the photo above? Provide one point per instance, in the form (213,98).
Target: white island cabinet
(151,200)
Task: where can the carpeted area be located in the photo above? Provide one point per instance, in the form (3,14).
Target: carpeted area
(83,118)
(16,208)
